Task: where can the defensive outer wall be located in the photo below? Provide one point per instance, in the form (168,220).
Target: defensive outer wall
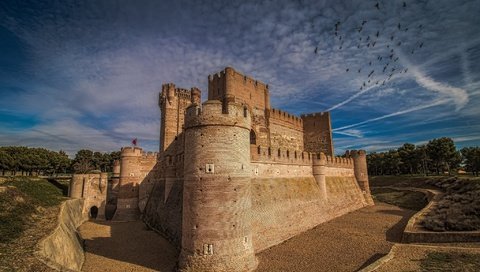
(234,176)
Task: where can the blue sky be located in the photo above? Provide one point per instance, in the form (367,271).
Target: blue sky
(86,74)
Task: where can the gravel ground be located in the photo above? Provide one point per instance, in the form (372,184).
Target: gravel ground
(346,243)
(125,246)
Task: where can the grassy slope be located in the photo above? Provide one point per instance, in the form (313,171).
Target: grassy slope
(20,198)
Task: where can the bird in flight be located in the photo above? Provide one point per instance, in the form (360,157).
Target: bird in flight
(316,50)
(377,6)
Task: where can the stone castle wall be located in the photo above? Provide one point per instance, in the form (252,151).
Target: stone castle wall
(235,176)
(137,176)
(92,188)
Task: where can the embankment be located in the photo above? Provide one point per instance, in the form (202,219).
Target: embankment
(63,248)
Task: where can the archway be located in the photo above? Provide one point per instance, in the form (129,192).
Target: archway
(93,212)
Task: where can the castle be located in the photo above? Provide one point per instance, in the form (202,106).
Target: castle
(233,176)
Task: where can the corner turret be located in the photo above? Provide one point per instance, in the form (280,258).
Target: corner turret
(361,174)
(216,227)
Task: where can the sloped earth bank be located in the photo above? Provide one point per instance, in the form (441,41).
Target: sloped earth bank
(346,243)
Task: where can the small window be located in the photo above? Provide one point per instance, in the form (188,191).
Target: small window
(253,137)
(269,151)
(245,112)
(288,154)
(259,150)
(279,152)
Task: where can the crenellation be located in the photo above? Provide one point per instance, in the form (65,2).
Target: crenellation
(228,163)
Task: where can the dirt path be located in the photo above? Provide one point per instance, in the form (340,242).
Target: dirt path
(347,243)
(129,246)
(343,244)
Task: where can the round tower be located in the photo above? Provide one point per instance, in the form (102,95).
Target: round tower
(130,176)
(319,162)
(76,186)
(116,169)
(361,173)
(216,228)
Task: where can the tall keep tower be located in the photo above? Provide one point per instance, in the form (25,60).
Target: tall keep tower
(216,228)
(173,102)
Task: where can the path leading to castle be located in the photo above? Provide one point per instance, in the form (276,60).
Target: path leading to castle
(346,243)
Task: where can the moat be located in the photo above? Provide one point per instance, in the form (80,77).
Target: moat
(347,243)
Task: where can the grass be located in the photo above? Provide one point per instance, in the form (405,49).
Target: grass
(404,199)
(20,198)
(452,261)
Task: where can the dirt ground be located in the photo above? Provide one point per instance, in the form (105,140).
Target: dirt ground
(347,243)
(125,246)
(343,244)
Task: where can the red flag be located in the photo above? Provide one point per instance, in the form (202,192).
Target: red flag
(134,142)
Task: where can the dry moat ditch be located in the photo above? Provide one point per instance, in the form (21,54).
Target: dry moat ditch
(348,243)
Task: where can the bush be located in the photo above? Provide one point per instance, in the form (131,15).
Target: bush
(458,209)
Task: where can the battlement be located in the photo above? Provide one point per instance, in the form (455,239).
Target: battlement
(355,153)
(332,161)
(214,112)
(169,91)
(299,157)
(283,116)
(280,155)
(247,80)
(129,151)
(315,114)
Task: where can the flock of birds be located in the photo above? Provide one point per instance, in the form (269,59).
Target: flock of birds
(368,39)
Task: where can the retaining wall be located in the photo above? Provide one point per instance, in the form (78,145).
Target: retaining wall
(63,248)
(415,233)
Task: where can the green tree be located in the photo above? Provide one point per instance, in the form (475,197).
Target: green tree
(443,154)
(471,159)
(408,159)
(6,161)
(422,158)
(83,161)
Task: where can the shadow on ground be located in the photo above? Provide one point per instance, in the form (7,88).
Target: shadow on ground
(125,246)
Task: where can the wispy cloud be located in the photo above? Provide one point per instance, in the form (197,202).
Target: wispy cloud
(401,112)
(90,72)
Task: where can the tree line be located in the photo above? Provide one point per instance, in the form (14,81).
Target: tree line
(21,160)
(438,156)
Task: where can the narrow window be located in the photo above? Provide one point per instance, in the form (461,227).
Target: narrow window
(253,137)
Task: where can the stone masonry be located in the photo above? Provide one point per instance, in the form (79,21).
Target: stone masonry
(234,176)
